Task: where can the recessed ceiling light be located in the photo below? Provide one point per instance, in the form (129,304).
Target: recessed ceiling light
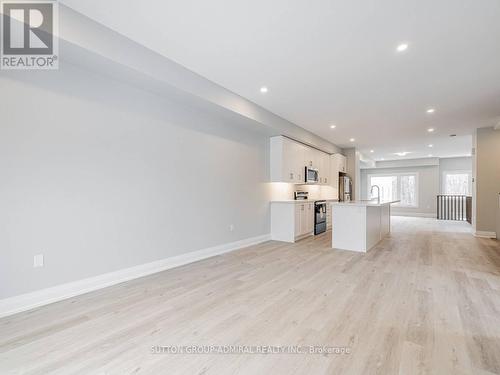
(402,47)
(382,159)
(430,130)
(333,126)
(430,155)
(351,140)
(431,110)
(404,153)
(372,151)
(431,145)
(263,89)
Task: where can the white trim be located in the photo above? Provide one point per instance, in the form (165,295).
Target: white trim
(28,301)
(413,214)
(485,234)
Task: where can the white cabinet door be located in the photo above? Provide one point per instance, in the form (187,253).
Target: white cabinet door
(313,159)
(289,155)
(343,164)
(298,215)
(325,172)
(308,157)
(317,159)
(310,217)
(293,161)
(300,163)
(304,219)
(321,169)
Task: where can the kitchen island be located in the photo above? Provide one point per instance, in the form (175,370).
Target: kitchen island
(360,225)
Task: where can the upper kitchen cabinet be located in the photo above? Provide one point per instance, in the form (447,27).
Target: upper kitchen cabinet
(338,163)
(289,159)
(311,158)
(324,169)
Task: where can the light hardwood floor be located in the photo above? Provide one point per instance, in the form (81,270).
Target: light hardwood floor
(425,300)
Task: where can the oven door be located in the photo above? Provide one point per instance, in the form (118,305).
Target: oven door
(311,175)
(320,213)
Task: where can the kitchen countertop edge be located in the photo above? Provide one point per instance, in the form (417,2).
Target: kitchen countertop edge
(298,201)
(372,203)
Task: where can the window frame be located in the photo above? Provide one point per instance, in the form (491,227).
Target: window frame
(457,171)
(398,176)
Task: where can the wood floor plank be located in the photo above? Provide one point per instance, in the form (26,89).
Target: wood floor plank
(425,300)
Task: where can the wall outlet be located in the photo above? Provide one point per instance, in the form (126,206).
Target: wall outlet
(38,261)
(231,227)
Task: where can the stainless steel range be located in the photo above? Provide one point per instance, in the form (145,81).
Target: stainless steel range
(319,217)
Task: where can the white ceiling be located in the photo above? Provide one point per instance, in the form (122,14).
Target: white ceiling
(333,61)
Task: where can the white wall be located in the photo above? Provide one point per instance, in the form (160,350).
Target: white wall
(487,175)
(99,176)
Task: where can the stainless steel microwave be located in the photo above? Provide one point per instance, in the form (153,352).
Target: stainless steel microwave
(312,175)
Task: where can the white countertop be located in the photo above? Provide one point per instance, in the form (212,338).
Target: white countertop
(366,203)
(301,201)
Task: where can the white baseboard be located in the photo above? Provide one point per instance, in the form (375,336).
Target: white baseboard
(485,234)
(413,214)
(42,297)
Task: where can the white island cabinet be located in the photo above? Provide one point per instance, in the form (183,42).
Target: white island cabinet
(360,225)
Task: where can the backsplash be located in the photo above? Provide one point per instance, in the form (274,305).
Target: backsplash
(284,191)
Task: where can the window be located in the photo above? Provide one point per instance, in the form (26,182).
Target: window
(457,183)
(403,187)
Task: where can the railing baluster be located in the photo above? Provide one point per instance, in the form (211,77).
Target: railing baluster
(453,199)
(453,207)
(439,206)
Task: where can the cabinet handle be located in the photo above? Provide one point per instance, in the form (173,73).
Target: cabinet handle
(291,176)
(326,180)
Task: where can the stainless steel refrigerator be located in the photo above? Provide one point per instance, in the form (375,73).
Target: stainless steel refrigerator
(345,188)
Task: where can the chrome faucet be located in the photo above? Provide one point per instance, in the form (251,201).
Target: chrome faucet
(378,192)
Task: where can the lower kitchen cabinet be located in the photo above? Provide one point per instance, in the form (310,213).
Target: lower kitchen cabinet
(291,220)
